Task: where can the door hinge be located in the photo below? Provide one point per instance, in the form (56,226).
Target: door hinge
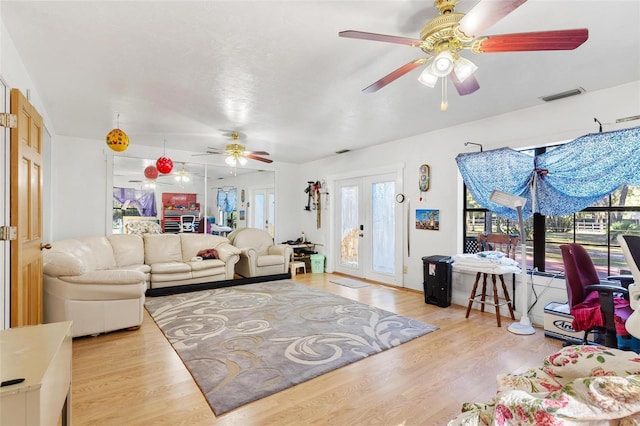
(8,120)
(8,233)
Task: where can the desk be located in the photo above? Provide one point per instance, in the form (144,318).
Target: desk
(220,230)
(41,354)
(301,253)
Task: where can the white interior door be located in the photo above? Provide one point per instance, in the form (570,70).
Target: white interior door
(369,228)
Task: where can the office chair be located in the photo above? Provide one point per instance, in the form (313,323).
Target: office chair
(595,306)
(188,223)
(631,248)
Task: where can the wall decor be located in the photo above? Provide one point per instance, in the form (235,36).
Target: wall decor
(428,219)
(424,178)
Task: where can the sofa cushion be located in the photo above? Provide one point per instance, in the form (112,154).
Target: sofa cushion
(101,252)
(203,265)
(169,268)
(127,249)
(193,243)
(162,248)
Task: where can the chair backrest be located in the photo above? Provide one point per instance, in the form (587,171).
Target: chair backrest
(631,248)
(504,243)
(187,223)
(256,238)
(579,271)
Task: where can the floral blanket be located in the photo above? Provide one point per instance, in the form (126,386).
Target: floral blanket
(579,385)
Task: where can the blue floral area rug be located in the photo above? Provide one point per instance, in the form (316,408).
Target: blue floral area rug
(246,342)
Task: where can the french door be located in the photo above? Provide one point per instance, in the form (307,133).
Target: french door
(369,225)
(264,202)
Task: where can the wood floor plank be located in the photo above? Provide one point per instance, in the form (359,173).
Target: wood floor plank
(136,378)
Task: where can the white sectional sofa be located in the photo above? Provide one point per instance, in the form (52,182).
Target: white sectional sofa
(99,283)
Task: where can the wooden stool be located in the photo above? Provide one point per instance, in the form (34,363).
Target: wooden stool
(295,265)
(494,242)
(496,300)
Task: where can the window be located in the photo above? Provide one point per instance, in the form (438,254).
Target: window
(596,228)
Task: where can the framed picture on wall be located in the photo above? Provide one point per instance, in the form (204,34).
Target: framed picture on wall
(241,215)
(428,219)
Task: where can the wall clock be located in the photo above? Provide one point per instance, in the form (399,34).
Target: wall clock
(424,178)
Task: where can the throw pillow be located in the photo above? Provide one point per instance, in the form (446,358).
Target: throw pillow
(209,253)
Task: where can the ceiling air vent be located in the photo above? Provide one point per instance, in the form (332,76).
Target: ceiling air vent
(561,95)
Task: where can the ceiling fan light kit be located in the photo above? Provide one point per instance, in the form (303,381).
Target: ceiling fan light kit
(442,37)
(236,153)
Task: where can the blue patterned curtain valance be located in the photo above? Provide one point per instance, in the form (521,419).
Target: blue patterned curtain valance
(227,200)
(562,181)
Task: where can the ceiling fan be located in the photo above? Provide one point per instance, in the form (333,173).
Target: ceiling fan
(236,153)
(444,37)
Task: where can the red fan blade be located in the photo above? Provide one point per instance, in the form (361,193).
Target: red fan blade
(394,75)
(257,152)
(543,40)
(467,87)
(253,157)
(380,37)
(485,14)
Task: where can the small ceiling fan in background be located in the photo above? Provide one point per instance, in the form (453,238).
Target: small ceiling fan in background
(444,37)
(236,152)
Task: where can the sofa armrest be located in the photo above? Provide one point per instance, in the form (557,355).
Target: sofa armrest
(226,252)
(107,277)
(58,263)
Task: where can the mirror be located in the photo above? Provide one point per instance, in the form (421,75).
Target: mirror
(192,198)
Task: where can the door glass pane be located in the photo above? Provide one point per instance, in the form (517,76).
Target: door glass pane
(383,227)
(271,214)
(258,211)
(349,226)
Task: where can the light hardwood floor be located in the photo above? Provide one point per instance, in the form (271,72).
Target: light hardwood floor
(135,377)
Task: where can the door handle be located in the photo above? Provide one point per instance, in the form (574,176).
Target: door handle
(45,246)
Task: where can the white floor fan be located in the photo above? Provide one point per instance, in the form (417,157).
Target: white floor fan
(517,203)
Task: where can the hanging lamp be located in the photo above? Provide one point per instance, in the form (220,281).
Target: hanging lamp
(117,140)
(151,172)
(164,163)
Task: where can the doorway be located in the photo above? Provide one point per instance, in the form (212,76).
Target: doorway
(5,319)
(369,226)
(263,216)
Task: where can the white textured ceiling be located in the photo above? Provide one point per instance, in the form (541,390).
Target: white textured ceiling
(189,71)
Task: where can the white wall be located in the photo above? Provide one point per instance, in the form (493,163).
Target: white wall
(13,74)
(547,123)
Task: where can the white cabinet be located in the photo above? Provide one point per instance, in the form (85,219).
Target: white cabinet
(41,354)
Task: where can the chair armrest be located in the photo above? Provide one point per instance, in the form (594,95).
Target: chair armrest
(625,280)
(248,252)
(608,288)
(278,249)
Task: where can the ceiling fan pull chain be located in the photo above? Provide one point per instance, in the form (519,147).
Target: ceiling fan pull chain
(445,103)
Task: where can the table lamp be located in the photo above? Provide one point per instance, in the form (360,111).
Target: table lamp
(517,203)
